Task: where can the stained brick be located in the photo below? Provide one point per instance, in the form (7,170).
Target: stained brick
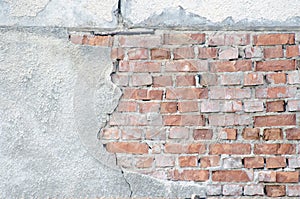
(274,39)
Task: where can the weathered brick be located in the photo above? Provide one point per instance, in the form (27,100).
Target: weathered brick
(184,53)
(252,79)
(164,161)
(293,105)
(231,66)
(232,106)
(155,133)
(273,134)
(117,53)
(191,175)
(160,53)
(183,120)
(202,134)
(229,53)
(275,106)
(187,66)
(253,52)
(275,120)
(232,176)
(127,147)
(138,66)
(294,77)
(178,133)
(144,162)
(137,54)
(229,120)
(125,106)
(120,79)
(254,190)
(231,78)
(276,92)
(292,51)
(227,134)
(220,39)
(147,107)
(210,106)
(274,149)
(232,163)
(141,80)
(294,162)
(273,52)
(184,38)
(110,134)
(206,53)
(275,65)
(267,176)
(275,162)
(275,190)
(293,190)
(229,93)
(162,81)
(187,161)
(126,119)
(287,176)
(234,148)
(185,80)
(177,148)
(145,41)
(253,106)
(188,106)
(168,107)
(232,190)
(209,161)
(213,190)
(293,134)
(276,78)
(186,93)
(208,79)
(254,162)
(274,39)
(251,133)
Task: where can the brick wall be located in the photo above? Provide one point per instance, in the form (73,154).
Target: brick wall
(217,108)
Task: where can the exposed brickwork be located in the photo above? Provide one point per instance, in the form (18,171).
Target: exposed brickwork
(216,108)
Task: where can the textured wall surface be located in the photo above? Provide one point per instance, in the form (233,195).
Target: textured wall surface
(55,95)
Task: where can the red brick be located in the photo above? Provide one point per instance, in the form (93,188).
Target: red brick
(228,134)
(185,80)
(177,148)
(144,162)
(293,134)
(120,79)
(276,78)
(292,51)
(125,66)
(187,161)
(188,106)
(117,53)
(220,39)
(275,162)
(251,133)
(181,38)
(138,53)
(254,162)
(206,53)
(275,106)
(142,94)
(276,92)
(232,106)
(210,106)
(160,53)
(127,106)
(209,161)
(145,41)
(273,52)
(274,149)
(127,147)
(231,66)
(229,53)
(147,107)
(202,134)
(187,66)
(275,120)
(253,106)
(179,133)
(231,78)
(273,134)
(232,176)
(275,65)
(190,175)
(184,53)
(229,120)
(293,105)
(187,93)
(141,80)
(168,107)
(274,39)
(110,133)
(97,40)
(162,81)
(275,190)
(131,134)
(251,79)
(234,148)
(229,93)
(293,190)
(286,177)
(184,120)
